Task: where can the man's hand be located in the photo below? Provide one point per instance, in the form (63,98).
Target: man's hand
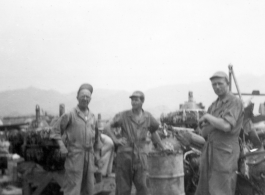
(121,141)
(216,122)
(203,121)
(206,130)
(63,149)
(167,148)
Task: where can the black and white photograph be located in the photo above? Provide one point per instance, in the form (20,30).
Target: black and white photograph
(117,97)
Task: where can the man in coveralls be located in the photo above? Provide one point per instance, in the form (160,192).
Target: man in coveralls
(78,126)
(222,124)
(131,159)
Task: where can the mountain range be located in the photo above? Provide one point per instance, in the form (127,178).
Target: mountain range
(159,100)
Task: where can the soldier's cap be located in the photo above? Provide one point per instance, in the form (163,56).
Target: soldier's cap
(85,86)
(220,74)
(137,94)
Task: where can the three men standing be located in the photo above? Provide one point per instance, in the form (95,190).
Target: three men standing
(222,124)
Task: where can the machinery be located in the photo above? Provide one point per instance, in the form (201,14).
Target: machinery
(251,173)
(182,126)
(39,148)
(43,168)
(251,165)
(187,116)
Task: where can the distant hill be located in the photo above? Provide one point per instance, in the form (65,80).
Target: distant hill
(108,102)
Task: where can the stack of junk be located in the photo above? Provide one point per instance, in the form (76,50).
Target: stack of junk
(251,176)
(10,157)
(176,171)
(37,168)
(34,160)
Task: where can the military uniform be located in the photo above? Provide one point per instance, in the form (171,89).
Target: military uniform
(221,152)
(132,158)
(79,131)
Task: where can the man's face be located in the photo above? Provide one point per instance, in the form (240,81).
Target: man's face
(84,98)
(220,86)
(136,102)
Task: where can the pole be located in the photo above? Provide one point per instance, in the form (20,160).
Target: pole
(234,77)
(230,78)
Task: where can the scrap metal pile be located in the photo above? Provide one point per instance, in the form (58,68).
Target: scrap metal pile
(181,125)
(40,148)
(183,118)
(187,116)
(35,145)
(251,174)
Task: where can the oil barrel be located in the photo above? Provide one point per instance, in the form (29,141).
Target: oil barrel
(166,173)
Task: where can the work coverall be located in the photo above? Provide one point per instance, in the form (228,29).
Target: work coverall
(131,159)
(79,131)
(221,152)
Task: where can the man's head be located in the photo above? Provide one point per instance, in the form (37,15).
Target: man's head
(84,95)
(220,83)
(137,99)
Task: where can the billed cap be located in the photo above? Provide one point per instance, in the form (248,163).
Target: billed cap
(85,86)
(219,74)
(137,94)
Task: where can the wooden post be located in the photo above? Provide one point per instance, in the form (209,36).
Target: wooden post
(61,109)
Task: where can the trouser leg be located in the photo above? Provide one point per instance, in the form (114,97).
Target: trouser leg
(123,175)
(87,186)
(139,180)
(72,182)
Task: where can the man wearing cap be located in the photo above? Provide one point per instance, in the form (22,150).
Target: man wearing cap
(131,159)
(78,126)
(222,124)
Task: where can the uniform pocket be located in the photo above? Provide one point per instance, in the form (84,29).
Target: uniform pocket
(223,158)
(74,161)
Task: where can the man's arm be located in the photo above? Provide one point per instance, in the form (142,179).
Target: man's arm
(228,119)
(156,139)
(115,122)
(57,129)
(218,123)
(205,129)
(121,141)
(154,125)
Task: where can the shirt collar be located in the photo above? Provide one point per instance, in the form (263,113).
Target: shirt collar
(79,112)
(130,113)
(226,98)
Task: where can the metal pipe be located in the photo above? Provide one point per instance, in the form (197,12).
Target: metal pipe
(234,77)
(61,109)
(37,113)
(230,79)
(250,94)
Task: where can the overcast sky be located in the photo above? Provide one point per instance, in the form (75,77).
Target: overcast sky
(126,44)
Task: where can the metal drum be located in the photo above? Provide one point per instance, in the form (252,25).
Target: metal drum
(252,168)
(256,163)
(166,173)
